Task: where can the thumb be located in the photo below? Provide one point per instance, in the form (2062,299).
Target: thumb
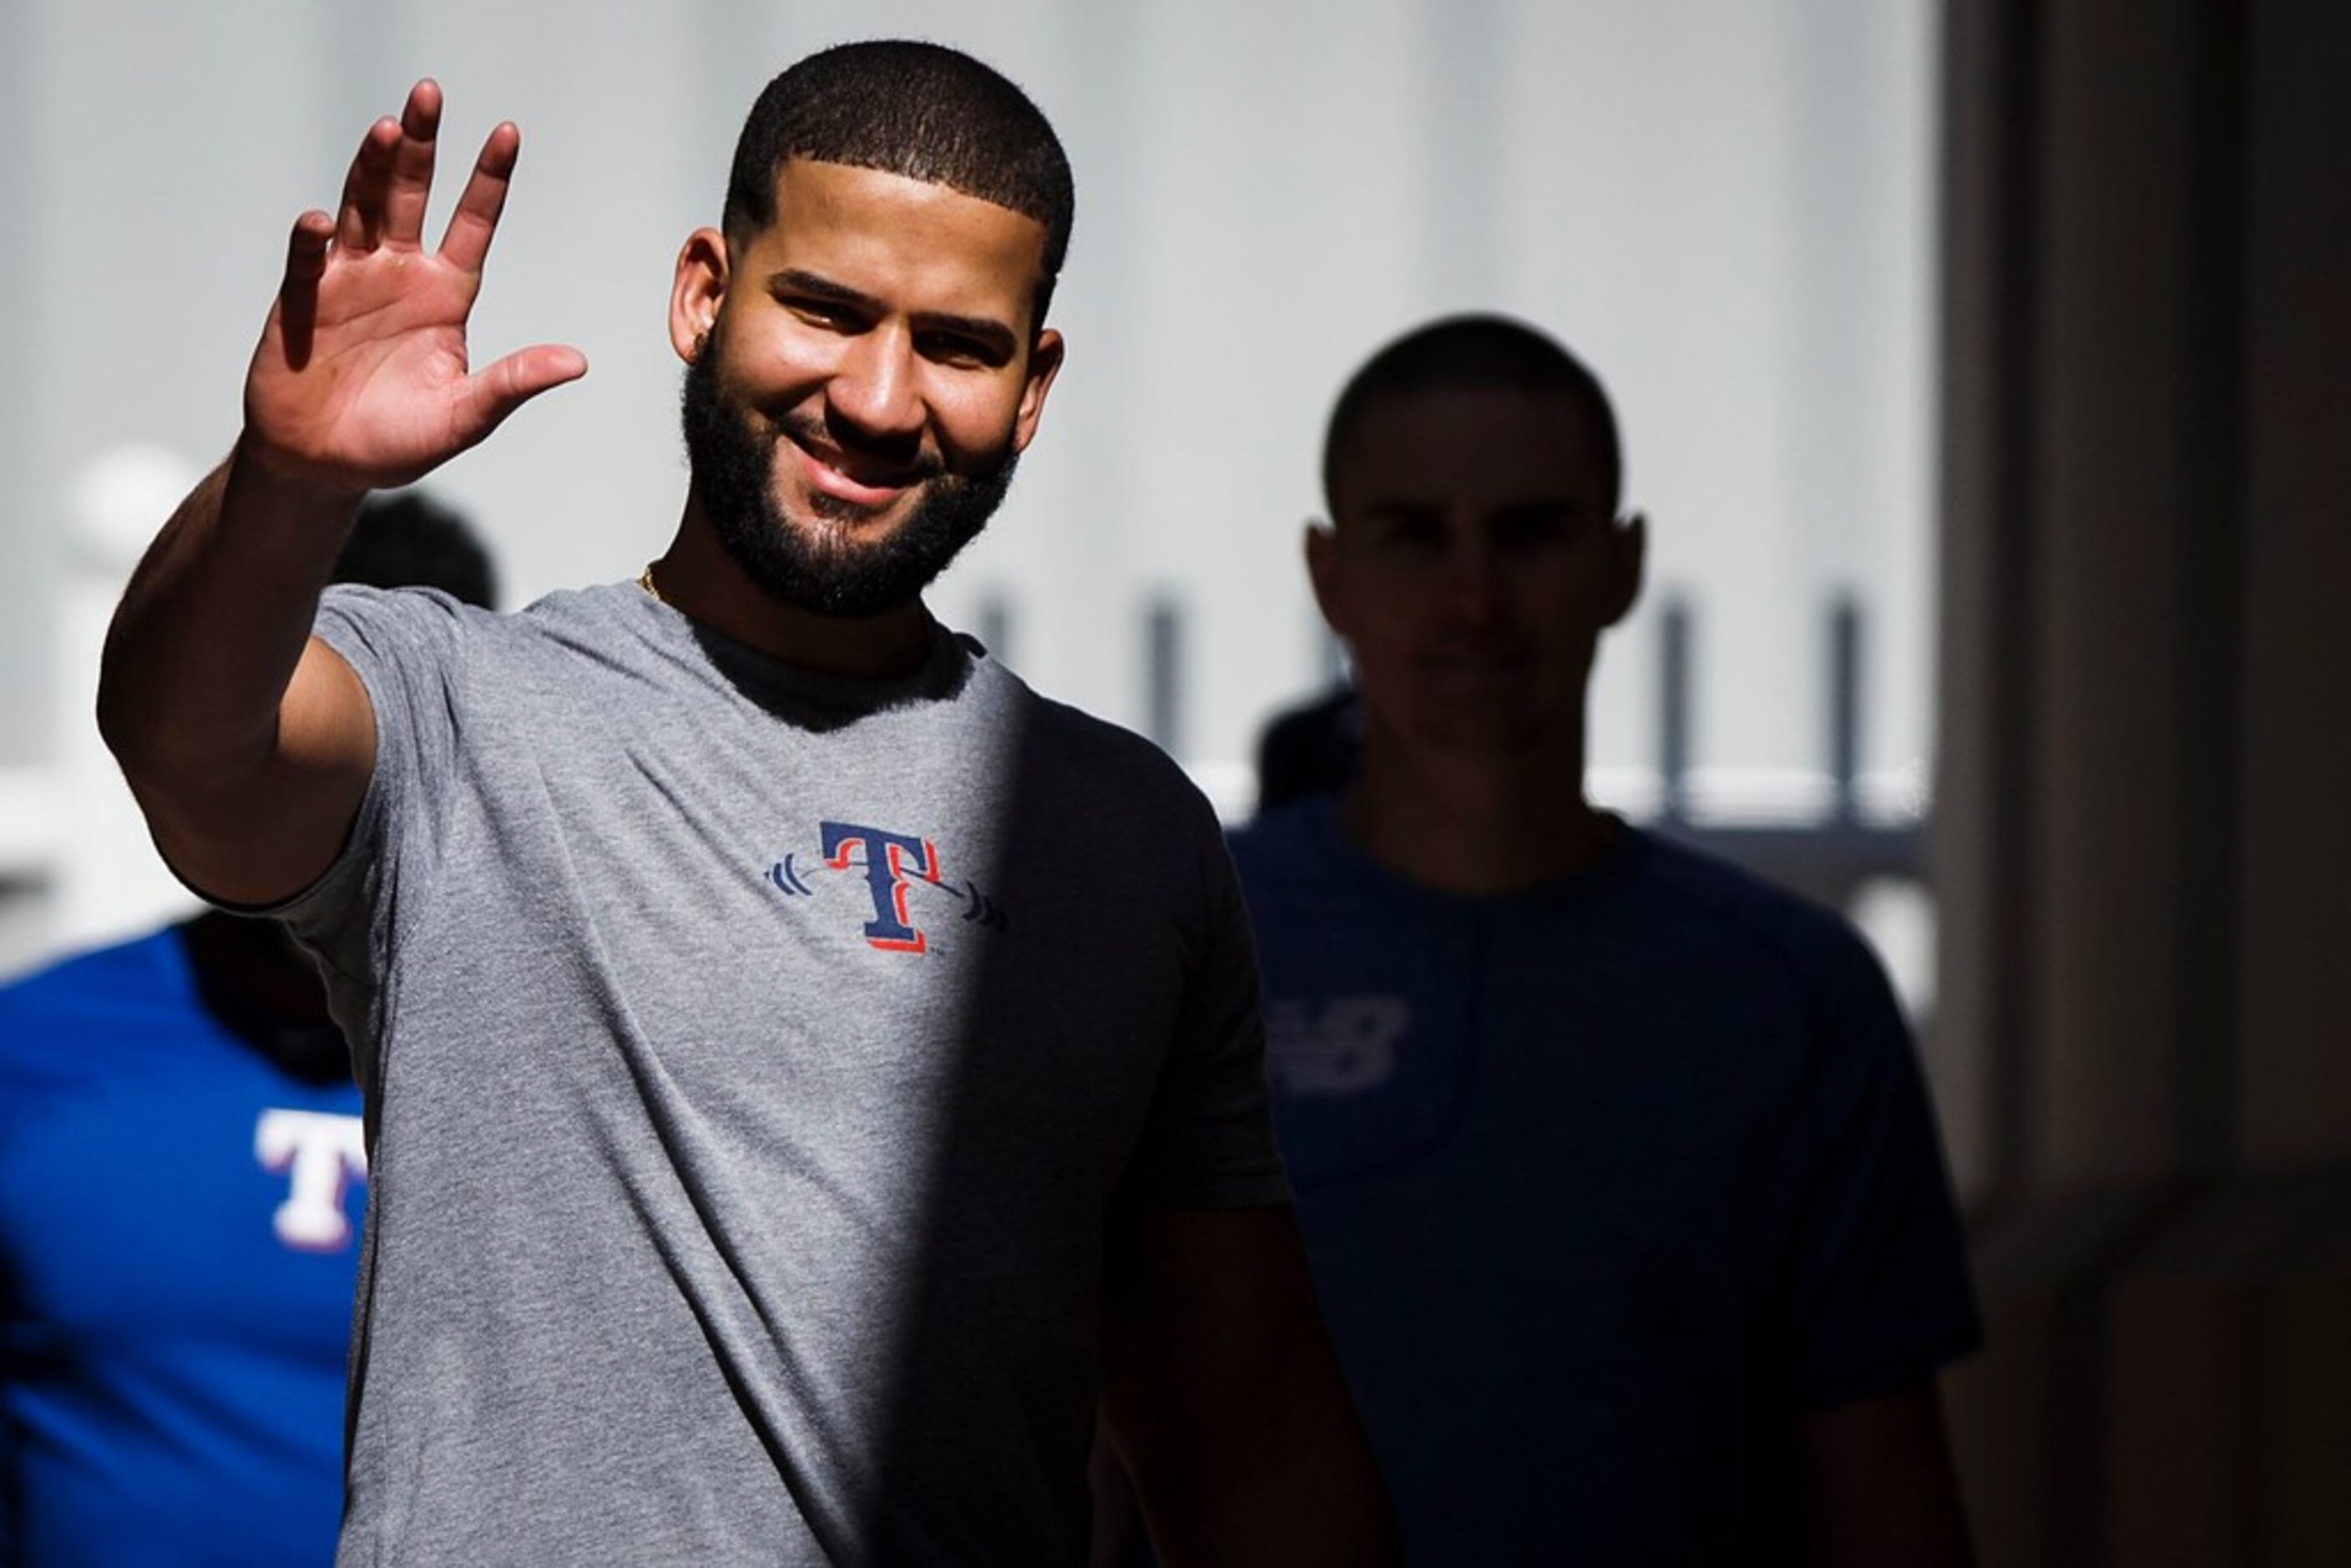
(497,390)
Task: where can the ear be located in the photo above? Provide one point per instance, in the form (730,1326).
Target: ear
(1628,548)
(696,290)
(1325,570)
(1044,364)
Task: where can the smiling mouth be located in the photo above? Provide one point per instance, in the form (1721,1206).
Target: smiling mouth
(829,471)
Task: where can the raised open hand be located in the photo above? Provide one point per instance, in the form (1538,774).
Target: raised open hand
(361,378)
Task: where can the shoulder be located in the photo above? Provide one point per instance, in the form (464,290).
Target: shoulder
(391,617)
(363,610)
(68,1018)
(1081,739)
(427,656)
(1725,915)
(1693,948)
(1071,752)
(1118,817)
(126,974)
(598,614)
(1285,851)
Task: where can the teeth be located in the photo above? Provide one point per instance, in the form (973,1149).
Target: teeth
(830,467)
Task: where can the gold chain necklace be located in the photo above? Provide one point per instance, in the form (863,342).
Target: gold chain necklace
(645,582)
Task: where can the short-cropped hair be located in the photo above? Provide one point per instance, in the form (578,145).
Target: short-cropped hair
(917,109)
(1479,353)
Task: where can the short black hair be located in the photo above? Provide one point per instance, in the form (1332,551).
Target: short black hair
(405,538)
(1480,353)
(917,109)
(1314,749)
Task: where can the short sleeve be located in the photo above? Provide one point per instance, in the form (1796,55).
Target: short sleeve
(1880,1294)
(1207,1141)
(408,648)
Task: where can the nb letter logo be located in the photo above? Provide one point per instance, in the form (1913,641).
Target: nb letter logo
(1347,1046)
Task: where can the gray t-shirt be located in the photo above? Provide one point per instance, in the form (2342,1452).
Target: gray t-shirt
(752,1060)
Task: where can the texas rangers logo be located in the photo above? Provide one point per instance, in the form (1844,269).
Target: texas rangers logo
(895,865)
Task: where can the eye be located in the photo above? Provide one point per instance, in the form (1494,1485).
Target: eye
(959,350)
(1412,533)
(821,312)
(950,349)
(1529,528)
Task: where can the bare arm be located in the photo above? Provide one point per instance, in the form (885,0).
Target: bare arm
(247,742)
(1223,1400)
(1878,1483)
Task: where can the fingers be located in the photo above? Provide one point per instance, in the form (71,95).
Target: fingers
(360,222)
(298,294)
(390,175)
(496,390)
(476,220)
(410,181)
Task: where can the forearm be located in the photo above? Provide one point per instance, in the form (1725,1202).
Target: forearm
(212,627)
(248,744)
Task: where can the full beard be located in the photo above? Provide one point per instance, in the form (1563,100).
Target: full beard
(820,569)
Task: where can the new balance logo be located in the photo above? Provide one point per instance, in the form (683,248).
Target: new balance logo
(1345,1046)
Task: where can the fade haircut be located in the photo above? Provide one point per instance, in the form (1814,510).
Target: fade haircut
(1479,353)
(921,110)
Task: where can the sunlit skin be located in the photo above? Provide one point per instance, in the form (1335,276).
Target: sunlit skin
(884,324)
(1472,564)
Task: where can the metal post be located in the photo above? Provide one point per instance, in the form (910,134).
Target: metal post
(994,633)
(1163,675)
(1845,706)
(1674,636)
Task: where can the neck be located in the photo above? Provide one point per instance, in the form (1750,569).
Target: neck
(1475,822)
(696,577)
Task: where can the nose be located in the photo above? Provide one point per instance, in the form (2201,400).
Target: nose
(1472,583)
(873,389)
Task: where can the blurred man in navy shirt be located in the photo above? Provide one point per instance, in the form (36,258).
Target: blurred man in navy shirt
(1624,1196)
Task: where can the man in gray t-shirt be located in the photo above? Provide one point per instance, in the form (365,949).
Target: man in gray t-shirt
(804,1069)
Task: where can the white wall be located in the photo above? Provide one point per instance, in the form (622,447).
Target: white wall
(1724,204)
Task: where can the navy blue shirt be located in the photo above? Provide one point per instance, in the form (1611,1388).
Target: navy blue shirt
(1603,1183)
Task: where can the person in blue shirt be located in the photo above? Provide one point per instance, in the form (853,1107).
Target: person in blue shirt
(181,1181)
(1623,1191)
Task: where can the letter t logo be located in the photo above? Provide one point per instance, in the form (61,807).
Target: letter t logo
(885,877)
(322,1152)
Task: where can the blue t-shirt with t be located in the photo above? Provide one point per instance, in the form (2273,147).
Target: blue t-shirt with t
(1605,1183)
(179,1224)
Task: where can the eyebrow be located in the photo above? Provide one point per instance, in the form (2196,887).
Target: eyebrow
(997,337)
